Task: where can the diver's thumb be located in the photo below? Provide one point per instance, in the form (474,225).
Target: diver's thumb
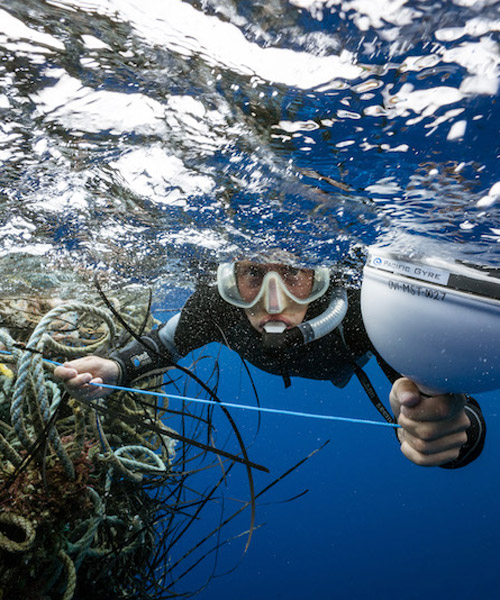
(404,393)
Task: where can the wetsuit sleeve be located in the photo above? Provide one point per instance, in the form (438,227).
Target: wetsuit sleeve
(354,330)
(476,435)
(161,348)
(142,357)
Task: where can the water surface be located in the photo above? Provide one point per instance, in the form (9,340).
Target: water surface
(136,137)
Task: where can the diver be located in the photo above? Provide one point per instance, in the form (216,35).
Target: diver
(290,321)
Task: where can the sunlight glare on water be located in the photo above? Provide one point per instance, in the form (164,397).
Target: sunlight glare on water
(142,137)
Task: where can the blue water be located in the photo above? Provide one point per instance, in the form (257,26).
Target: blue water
(372,524)
(141,139)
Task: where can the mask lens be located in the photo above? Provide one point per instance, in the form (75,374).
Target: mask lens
(249,278)
(299,282)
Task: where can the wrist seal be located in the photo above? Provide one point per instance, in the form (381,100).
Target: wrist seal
(142,358)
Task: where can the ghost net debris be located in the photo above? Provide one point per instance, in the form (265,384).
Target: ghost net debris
(77,516)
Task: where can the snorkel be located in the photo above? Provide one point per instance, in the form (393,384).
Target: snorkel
(277,336)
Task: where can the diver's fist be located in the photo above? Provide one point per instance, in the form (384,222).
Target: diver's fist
(433,428)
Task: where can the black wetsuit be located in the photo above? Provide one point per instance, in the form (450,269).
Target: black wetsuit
(336,356)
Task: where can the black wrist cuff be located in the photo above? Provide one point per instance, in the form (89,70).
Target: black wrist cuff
(142,358)
(476,435)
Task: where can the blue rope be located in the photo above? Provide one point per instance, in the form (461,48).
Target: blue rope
(278,411)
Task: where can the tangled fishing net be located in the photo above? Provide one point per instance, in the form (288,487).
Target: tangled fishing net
(76,511)
(98,497)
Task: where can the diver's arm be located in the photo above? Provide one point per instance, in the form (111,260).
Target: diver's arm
(442,430)
(142,357)
(148,354)
(435,442)
(161,348)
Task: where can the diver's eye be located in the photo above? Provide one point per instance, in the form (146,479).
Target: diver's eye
(291,273)
(251,275)
(292,276)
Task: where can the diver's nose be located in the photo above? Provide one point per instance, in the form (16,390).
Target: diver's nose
(274,297)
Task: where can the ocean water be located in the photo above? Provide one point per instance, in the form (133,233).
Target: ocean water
(145,141)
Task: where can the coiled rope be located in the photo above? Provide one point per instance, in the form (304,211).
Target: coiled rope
(60,460)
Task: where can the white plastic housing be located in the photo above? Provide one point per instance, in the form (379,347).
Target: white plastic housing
(443,339)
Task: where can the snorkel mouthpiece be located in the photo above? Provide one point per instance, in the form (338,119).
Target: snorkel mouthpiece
(272,337)
(274,327)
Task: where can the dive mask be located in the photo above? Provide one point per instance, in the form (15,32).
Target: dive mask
(244,284)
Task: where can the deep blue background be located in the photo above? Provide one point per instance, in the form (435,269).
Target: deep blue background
(372,525)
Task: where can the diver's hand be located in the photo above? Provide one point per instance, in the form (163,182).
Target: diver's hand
(433,429)
(77,374)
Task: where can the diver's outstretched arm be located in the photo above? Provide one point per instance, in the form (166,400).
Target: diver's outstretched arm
(142,357)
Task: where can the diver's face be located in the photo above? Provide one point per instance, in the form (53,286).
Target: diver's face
(281,284)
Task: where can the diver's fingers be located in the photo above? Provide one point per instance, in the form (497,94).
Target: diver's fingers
(86,387)
(430,430)
(453,441)
(433,443)
(78,380)
(92,390)
(433,454)
(89,366)
(65,372)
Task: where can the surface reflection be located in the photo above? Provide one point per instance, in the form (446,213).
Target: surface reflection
(200,128)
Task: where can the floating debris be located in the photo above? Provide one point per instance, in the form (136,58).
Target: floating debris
(76,509)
